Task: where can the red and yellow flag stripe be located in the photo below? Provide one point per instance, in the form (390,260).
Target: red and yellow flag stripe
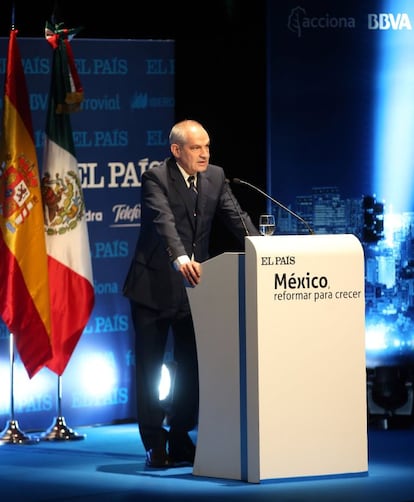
(24,290)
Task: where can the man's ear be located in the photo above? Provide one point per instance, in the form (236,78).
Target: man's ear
(175,149)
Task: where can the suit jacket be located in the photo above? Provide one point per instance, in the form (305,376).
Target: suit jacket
(169,229)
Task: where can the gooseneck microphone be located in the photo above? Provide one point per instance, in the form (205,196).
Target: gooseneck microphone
(238,181)
(236,207)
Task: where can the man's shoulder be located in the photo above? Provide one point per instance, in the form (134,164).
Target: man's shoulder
(215,172)
(215,167)
(159,169)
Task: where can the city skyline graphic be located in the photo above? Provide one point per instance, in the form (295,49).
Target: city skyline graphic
(388,242)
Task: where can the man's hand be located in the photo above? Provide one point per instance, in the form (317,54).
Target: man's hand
(191,271)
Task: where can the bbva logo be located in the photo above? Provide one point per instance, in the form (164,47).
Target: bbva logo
(389,21)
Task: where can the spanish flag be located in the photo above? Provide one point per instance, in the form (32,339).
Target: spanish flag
(67,240)
(24,290)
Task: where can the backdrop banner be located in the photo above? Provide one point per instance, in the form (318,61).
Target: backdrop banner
(340,149)
(121,131)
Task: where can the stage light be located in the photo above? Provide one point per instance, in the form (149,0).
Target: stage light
(97,374)
(389,394)
(166,387)
(389,324)
(394,115)
(165,383)
(26,392)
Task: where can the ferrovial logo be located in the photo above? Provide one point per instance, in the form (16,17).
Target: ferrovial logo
(389,21)
(299,21)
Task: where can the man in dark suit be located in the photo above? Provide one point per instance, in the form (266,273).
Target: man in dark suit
(176,222)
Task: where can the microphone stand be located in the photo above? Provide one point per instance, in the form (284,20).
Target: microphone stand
(236,207)
(242,182)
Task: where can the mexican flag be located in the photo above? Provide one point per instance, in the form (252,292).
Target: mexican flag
(24,290)
(67,240)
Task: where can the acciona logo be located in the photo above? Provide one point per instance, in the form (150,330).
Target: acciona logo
(299,22)
(389,21)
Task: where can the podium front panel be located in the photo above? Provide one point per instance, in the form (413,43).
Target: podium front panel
(306,373)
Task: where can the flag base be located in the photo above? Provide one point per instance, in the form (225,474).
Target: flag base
(59,431)
(12,434)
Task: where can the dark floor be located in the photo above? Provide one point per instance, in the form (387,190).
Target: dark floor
(108,464)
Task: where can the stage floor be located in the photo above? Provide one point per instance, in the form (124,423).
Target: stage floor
(108,464)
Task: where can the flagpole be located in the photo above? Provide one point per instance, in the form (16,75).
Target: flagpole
(59,431)
(12,434)
(71,254)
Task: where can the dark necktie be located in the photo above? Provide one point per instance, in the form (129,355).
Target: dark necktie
(192,188)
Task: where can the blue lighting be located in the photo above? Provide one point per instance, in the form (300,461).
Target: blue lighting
(98,375)
(390,306)
(394,110)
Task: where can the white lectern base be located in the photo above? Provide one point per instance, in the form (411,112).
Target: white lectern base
(281,346)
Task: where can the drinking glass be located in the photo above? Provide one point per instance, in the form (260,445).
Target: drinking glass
(267,224)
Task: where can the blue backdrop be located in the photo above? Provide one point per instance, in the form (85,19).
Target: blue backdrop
(340,129)
(121,131)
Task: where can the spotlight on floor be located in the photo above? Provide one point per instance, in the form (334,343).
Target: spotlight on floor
(390,396)
(166,387)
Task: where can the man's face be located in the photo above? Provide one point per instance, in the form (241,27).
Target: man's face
(194,155)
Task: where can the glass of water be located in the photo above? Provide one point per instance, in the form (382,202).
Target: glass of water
(267,224)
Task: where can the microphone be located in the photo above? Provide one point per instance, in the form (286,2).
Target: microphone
(236,207)
(242,182)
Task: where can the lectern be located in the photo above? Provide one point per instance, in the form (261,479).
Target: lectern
(280,333)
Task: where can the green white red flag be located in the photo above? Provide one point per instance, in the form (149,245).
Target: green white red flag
(67,240)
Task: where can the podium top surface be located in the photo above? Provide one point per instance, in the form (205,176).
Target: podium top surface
(311,243)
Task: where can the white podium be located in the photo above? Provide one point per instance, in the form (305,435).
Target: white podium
(280,333)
